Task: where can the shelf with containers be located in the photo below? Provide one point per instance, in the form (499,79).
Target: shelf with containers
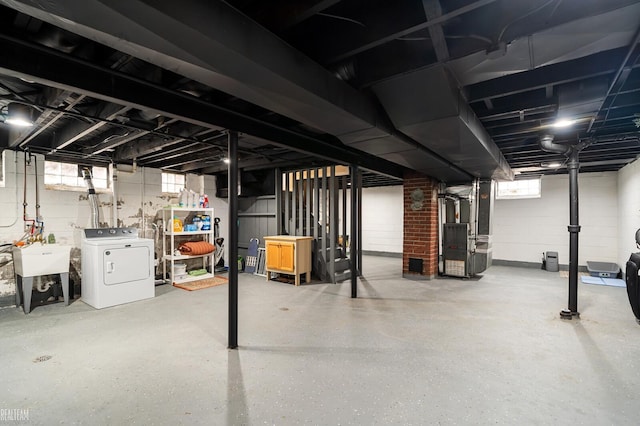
(182,225)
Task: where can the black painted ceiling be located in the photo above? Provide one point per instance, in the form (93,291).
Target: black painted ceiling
(388,85)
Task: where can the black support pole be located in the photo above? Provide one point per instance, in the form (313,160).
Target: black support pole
(573,166)
(233,239)
(354,232)
(359,233)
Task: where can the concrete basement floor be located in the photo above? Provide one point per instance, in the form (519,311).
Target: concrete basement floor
(446,351)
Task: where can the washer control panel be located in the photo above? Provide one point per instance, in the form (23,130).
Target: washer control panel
(128,232)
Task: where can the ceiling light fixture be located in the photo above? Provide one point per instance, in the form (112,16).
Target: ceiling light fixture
(19,115)
(563,123)
(552,165)
(226,161)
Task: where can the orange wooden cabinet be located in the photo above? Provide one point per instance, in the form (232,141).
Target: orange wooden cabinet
(288,254)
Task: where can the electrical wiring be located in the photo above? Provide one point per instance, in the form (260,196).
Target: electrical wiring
(520,18)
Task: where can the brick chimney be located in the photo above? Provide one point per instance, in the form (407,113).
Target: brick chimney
(420,246)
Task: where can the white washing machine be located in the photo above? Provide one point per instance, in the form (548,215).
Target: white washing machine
(117,267)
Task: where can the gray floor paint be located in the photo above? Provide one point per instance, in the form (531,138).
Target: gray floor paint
(447,351)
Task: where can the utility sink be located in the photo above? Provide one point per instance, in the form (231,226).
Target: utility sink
(41,259)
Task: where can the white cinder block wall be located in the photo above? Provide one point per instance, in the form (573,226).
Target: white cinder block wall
(629,210)
(382,218)
(64,213)
(524,229)
(67,213)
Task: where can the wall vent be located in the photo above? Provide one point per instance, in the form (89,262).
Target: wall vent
(415,265)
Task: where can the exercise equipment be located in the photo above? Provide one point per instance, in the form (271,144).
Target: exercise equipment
(219,245)
(631,276)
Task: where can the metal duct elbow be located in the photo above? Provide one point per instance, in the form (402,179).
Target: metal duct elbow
(93,198)
(546,144)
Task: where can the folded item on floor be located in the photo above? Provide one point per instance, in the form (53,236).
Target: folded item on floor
(613,282)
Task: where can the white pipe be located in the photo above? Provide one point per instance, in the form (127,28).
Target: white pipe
(35,174)
(93,198)
(15,175)
(142,204)
(114,209)
(43,285)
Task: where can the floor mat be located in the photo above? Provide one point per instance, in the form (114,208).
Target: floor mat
(613,282)
(200,284)
(565,274)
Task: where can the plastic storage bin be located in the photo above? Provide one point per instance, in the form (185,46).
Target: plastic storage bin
(603,269)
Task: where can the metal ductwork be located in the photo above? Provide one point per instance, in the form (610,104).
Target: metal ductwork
(215,44)
(93,198)
(552,46)
(427,106)
(547,145)
(576,100)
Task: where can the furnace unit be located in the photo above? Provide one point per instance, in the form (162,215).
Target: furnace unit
(455,250)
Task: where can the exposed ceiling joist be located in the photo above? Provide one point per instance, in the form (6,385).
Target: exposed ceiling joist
(261,163)
(78,131)
(115,141)
(599,64)
(619,79)
(300,11)
(26,60)
(433,10)
(194,155)
(133,151)
(46,118)
(398,33)
(259,64)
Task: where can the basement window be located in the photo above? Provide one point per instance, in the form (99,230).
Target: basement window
(518,189)
(172,183)
(68,176)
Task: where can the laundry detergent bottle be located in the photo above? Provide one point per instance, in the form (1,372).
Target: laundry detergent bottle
(177,224)
(183,198)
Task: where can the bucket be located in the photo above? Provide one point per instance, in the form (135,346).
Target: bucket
(179,269)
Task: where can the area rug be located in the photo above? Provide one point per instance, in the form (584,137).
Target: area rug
(200,284)
(565,274)
(613,282)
